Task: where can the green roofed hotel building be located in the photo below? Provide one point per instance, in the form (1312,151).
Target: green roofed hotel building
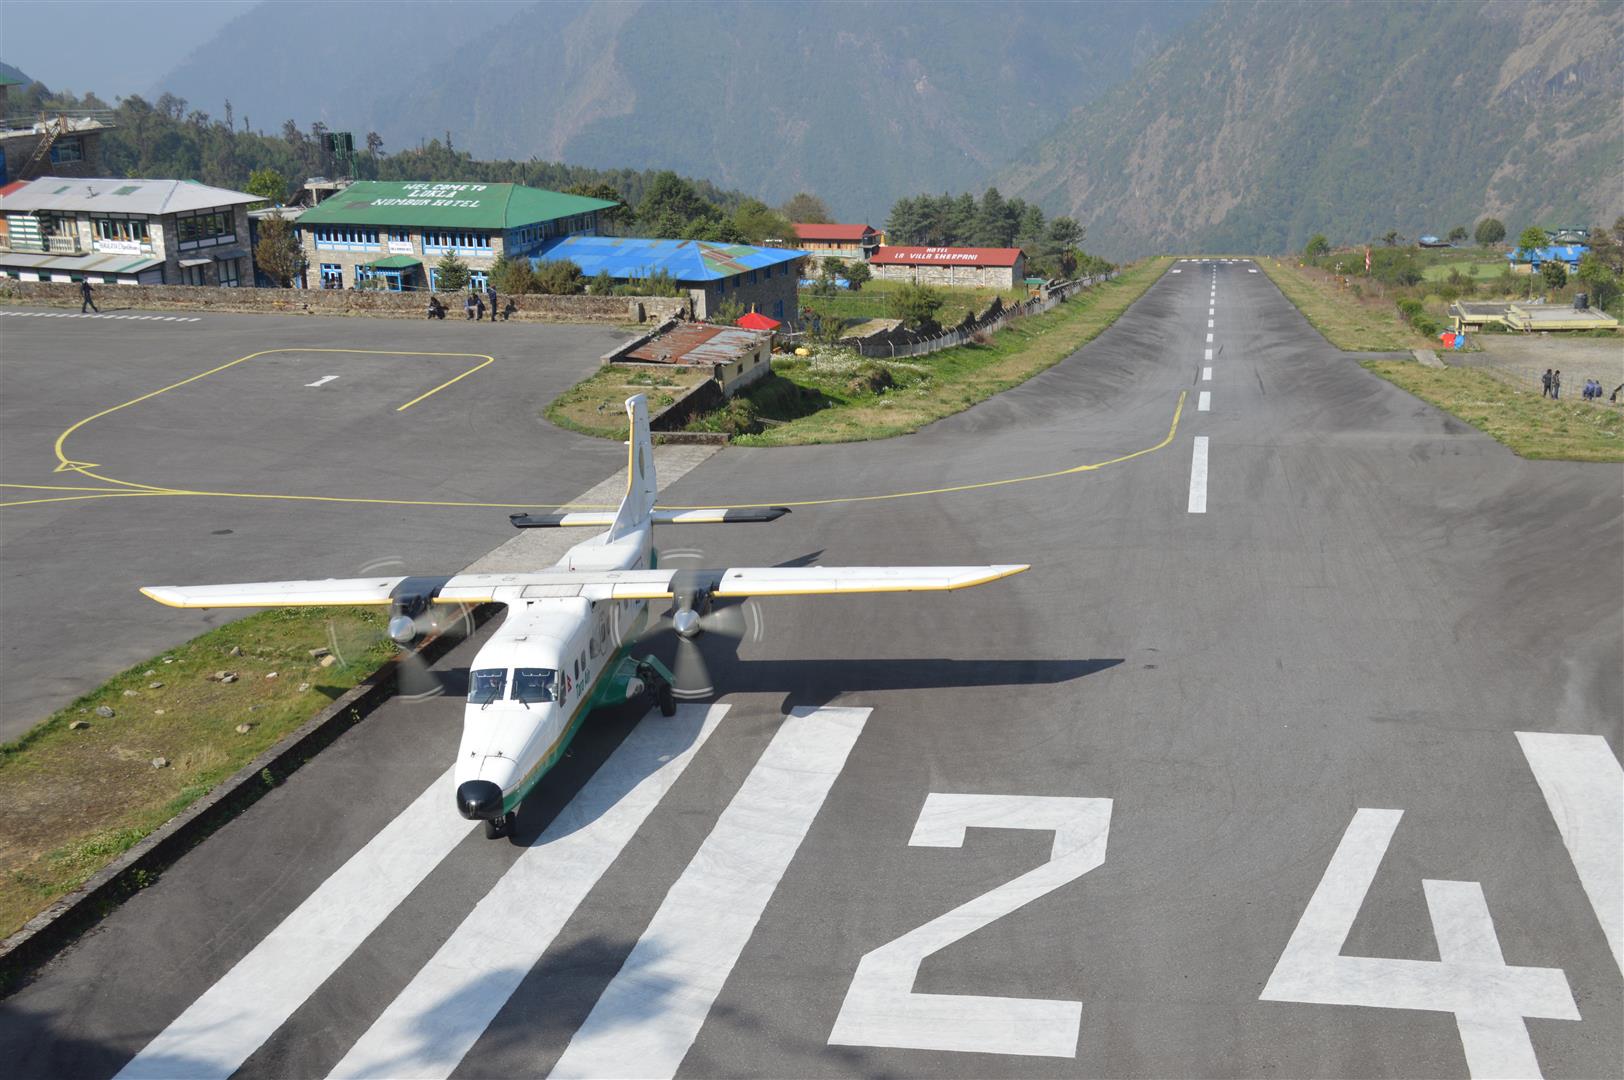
(397,232)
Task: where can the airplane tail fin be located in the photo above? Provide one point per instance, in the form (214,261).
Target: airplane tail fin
(637,508)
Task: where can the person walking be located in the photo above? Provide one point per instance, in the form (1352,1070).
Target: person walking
(490,293)
(1556,384)
(85,298)
(1545,382)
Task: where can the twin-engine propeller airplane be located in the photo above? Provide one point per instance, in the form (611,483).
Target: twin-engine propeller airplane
(564,647)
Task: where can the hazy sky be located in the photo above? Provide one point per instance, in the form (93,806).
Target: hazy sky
(114,47)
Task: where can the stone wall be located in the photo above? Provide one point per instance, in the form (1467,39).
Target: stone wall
(366,302)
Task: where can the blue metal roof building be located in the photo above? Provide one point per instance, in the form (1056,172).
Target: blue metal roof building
(627,257)
(756,278)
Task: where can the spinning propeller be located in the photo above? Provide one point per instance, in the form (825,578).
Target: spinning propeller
(413,618)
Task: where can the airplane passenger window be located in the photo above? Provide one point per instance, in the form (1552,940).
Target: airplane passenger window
(533,684)
(485,685)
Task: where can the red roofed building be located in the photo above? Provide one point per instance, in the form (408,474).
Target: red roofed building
(840,241)
(1002,268)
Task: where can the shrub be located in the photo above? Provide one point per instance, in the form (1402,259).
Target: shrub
(602,284)
(870,378)
(512,277)
(559,277)
(916,305)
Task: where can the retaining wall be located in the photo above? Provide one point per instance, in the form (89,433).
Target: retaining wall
(363,302)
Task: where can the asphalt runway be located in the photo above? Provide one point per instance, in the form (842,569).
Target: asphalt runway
(1295,753)
(76,540)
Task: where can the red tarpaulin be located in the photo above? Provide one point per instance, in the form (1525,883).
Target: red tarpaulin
(757,321)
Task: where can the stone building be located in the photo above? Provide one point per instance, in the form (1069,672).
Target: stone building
(1002,268)
(755,278)
(125,232)
(398,232)
(733,356)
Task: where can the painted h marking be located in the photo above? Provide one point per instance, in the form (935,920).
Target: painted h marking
(650,1013)
(1198,476)
(219,1030)
(1584,787)
(428,1029)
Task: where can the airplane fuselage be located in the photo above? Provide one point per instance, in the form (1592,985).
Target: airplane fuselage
(554,658)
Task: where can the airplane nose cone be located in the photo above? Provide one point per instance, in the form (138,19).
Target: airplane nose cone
(479,800)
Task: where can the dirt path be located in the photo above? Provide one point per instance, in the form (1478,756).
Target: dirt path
(1520,359)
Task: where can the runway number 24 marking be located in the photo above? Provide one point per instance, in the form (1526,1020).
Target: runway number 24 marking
(881,1007)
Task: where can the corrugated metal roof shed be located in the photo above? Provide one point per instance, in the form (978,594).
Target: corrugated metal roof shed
(468,206)
(698,343)
(119,196)
(626,257)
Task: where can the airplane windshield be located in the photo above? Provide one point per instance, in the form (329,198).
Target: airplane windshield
(533,684)
(485,685)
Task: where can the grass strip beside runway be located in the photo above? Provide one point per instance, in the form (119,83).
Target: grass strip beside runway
(73,800)
(928,388)
(1531,425)
(1347,321)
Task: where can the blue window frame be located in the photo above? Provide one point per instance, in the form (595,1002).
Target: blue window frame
(478,280)
(332,276)
(346,237)
(444,239)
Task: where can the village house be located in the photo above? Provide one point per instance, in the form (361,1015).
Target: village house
(125,232)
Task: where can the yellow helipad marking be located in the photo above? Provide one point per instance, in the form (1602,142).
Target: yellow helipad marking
(67,464)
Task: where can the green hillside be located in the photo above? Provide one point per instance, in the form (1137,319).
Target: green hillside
(1266,123)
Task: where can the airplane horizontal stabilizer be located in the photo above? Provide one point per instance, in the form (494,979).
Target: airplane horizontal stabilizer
(603,519)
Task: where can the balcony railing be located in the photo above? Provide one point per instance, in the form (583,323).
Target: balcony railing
(45,245)
(74,117)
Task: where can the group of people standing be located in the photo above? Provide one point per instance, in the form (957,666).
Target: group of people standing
(473,307)
(1551,382)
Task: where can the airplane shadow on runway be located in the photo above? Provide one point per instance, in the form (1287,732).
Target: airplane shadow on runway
(808,682)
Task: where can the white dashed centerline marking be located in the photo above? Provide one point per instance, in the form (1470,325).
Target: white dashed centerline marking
(1207,355)
(1206,374)
(1198,476)
(1204,402)
(1209,339)
(1209,324)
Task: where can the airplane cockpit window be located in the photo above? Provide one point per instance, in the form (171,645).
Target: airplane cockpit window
(533,684)
(485,685)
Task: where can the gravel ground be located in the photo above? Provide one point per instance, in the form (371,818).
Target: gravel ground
(1520,359)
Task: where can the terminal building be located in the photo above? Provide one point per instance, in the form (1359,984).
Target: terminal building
(1002,268)
(396,233)
(756,278)
(125,232)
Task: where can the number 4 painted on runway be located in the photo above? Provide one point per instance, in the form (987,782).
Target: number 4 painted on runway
(1489,997)
(881,1008)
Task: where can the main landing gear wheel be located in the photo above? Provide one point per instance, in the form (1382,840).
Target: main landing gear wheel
(496,828)
(659,688)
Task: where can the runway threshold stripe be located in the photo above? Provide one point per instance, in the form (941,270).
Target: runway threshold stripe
(649,1015)
(219,1031)
(428,1029)
(1584,787)
(1198,476)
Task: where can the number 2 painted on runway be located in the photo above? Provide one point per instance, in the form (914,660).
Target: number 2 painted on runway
(881,1007)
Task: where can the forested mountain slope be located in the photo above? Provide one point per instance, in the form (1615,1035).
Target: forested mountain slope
(860,102)
(1264,123)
